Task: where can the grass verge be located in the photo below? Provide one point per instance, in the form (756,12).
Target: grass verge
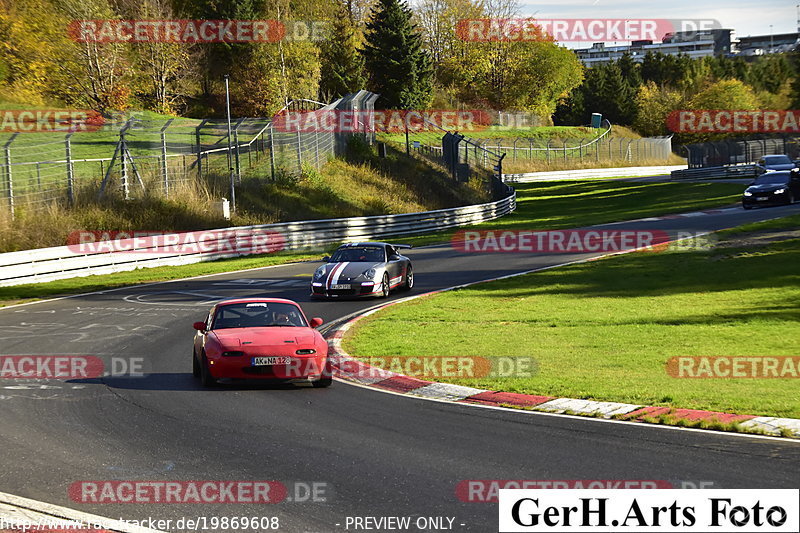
(574,204)
(605,330)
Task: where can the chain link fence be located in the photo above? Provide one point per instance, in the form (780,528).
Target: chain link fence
(136,155)
(721,153)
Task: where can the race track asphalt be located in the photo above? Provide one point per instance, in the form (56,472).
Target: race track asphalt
(377,454)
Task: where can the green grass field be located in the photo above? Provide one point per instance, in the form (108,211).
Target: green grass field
(604,330)
(573,204)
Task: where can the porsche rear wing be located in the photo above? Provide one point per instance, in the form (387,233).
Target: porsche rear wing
(402,246)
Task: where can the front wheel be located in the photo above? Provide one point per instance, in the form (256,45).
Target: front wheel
(385,286)
(790,198)
(747,206)
(205,374)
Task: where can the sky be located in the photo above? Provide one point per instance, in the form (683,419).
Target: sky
(751,17)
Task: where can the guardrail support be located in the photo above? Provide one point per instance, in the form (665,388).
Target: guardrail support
(9,178)
(70,174)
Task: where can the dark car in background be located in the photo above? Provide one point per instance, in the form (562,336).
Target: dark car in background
(771,163)
(772,188)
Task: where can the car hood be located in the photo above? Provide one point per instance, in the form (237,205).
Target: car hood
(782,166)
(348,270)
(239,338)
(766,187)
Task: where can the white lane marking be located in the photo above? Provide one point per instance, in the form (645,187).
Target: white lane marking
(16,507)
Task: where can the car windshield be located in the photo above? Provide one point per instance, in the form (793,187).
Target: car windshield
(773,178)
(777,160)
(258,314)
(362,254)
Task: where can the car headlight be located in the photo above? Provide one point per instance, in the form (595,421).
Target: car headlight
(748,193)
(780,191)
(369,274)
(319,273)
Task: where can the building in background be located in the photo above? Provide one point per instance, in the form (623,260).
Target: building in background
(695,44)
(758,45)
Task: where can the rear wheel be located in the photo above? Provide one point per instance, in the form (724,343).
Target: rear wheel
(385,285)
(205,374)
(409,284)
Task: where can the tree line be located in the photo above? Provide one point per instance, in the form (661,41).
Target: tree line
(413,57)
(642,94)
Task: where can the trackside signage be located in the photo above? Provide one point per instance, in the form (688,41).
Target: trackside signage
(644,510)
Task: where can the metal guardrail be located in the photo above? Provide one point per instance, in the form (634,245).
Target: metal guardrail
(729,172)
(62,262)
(585,173)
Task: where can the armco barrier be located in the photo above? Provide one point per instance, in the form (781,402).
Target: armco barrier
(708,173)
(565,175)
(62,262)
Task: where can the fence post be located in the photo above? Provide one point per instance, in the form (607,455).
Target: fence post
(316,148)
(236,155)
(9,180)
(580,150)
(597,150)
(299,153)
(271,152)
(124,162)
(515,150)
(70,175)
(39,175)
(199,150)
(164,171)
(547,152)
(610,154)
(565,151)
(530,149)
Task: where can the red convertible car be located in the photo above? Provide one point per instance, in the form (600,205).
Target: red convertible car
(260,338)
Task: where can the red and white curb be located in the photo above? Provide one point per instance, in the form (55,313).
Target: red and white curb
(23,514)
(349,369)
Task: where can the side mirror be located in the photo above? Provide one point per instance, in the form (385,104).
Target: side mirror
(327,258)
(394,258)
(199,326)
(316,322)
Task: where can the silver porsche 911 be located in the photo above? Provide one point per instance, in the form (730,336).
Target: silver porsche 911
(363,269)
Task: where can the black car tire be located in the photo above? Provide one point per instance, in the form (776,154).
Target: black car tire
(747,206)
(195,365)
(409,284)
(205,374)
(790,198)
(327,377)
(385,285)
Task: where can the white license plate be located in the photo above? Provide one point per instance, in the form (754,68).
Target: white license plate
(762,199)
(341,286)
(263,361)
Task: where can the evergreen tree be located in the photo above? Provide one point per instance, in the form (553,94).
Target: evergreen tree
(342,65)
(398,67)
(630,70)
